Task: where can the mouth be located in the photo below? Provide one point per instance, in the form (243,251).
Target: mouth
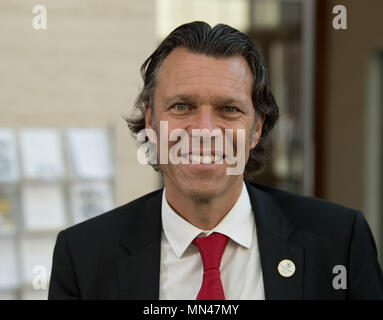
(204,159)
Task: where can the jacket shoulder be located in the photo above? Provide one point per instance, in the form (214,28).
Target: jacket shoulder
(110,221)
(311,213)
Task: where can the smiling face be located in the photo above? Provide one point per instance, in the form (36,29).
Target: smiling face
(195,91)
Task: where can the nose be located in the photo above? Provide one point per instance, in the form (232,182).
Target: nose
(204,118)
(206,122)
(209,129)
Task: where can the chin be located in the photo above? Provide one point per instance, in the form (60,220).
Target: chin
(200,185)
(206,189)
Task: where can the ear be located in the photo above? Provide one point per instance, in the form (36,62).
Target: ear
(258,132)
(149,124)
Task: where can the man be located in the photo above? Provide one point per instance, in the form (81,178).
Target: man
(209,234)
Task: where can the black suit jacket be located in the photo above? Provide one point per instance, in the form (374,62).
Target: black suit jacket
(117,255)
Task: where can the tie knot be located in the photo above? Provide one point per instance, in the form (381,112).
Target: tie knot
(211,249)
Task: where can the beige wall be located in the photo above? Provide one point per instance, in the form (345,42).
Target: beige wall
(82,71)
(347,55)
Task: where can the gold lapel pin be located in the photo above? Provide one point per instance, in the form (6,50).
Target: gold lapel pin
(286,268)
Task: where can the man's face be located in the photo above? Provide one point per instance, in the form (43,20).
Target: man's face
(195,91)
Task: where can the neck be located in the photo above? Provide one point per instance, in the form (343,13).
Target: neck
(201,211)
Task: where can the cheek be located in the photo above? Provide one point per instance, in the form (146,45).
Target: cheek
(237,145)
(163,137)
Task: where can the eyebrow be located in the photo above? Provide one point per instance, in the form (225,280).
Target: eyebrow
(181,97)
(194,99)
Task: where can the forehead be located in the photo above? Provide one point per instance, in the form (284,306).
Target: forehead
(183,70)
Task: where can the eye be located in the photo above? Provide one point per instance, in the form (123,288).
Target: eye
(230,109)
(180,107)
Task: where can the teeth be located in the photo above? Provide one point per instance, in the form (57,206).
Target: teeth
(195,158)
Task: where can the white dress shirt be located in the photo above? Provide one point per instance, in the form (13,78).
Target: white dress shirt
(181,266)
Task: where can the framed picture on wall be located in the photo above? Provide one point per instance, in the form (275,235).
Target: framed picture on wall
(9,168)
(9,205)
(41,153)
(43,207)
(90,199)
(90,153)
(8,271)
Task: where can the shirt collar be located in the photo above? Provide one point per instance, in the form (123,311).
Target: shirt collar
(237,224)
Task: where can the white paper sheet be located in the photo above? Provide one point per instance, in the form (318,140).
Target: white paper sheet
(9,168)
(43,207)
(37,255)
(8,295)
(31,294)
(90,152)
(8,265)
(90,199)
(41,151)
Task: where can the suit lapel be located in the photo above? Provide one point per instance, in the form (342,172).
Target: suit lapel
(139,265)
(139,260)
(273,232)
(272,251)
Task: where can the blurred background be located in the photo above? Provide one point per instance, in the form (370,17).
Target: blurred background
(66,153)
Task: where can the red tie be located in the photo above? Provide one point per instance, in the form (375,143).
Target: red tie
(211,249)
